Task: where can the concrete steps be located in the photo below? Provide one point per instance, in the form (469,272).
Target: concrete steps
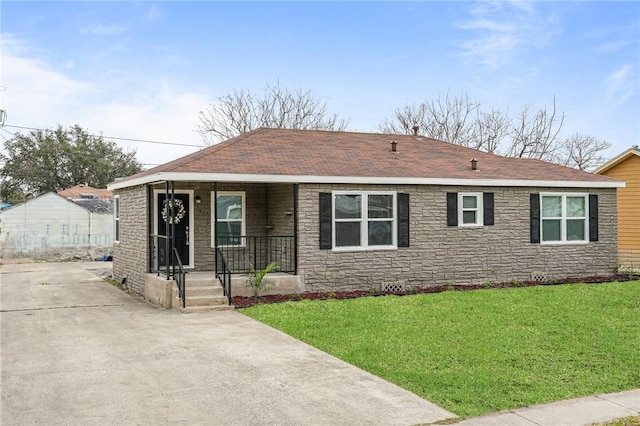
(203,293)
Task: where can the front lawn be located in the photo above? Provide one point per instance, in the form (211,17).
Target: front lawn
(481,351)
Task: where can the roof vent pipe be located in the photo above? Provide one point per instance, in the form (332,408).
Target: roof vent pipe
(474,164)
(415,130)
(394,145)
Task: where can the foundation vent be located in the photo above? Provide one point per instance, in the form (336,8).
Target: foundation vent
(539,277)
(392,287)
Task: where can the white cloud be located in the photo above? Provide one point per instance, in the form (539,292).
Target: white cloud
(613,46)
(153,13)
(620,83)
(501,28)
(104,30)
(40,96)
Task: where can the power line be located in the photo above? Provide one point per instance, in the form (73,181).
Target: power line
(117,138)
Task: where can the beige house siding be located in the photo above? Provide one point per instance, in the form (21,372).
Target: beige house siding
(628,170)
(440,255)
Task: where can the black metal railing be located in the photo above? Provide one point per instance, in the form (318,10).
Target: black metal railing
(223,273)
(240,252)
(159,262)
(179,275)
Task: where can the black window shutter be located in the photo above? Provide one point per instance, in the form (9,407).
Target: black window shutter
(534,200)
(487,205)
(325,220)
(403,220)
(593,217)
(452,209)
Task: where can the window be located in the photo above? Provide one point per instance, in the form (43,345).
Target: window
(563,218)
(230,226)
(116,218)
(365,220)
(470,209)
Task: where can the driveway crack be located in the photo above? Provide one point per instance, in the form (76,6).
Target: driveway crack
(61,307)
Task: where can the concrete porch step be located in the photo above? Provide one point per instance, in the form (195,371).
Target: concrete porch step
(195,309)
(203,301)
(203,292)
(200,279)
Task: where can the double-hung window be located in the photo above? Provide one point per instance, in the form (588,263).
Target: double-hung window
(116,218)
(364,220)
(470,209)
(230,218)
(564,218)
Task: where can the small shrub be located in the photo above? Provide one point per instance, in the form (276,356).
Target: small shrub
(257,280)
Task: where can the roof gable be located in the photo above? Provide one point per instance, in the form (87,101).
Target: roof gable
(323,156)
(46,200)
(629,153)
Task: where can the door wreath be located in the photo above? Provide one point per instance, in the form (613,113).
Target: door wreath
(178,210)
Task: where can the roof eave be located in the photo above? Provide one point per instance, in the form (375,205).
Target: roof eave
(616,160)
(256,178)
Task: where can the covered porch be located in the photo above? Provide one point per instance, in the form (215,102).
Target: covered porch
(222,229)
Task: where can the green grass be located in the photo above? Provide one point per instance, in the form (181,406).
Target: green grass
(481,351)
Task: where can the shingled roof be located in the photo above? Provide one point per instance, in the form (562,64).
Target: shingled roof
(281,155)
(78,191)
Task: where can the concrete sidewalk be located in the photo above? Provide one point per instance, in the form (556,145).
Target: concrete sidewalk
(570,412)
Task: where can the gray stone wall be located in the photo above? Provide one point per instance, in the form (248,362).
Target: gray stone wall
(280,201)
(131,254)
(441,255)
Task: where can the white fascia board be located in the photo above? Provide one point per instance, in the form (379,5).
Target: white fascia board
(254,178)
(617,159)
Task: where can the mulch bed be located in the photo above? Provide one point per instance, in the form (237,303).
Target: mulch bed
(245,302)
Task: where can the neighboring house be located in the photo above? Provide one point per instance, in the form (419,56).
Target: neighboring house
(626,167)
(83,191)
(346,210)
(49,225)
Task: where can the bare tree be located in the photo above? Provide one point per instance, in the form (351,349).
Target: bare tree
(450,118)
(491,129)
(531,133)
(583,152)
(241,111)
(534,133)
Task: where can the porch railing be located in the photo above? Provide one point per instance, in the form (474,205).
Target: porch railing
(223,273)
(179,274)
(159,262)
(241,251)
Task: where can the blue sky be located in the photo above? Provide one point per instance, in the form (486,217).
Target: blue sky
(145,69)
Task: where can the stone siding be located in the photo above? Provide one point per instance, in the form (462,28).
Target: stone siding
(280,200)
(441,255)
(131,254)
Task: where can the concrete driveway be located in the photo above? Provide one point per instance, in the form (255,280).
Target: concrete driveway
(75,350)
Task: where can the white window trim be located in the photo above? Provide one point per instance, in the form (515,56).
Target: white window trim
(563,218)
(479,209)
(191,219)
(364,221)
(243,227)
(116,219)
